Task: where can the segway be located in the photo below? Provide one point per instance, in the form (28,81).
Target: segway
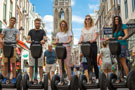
(8,51)
(36,51)
(87,51)
(115,49)
(61,53)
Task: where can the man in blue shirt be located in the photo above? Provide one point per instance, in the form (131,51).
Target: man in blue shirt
(50,61)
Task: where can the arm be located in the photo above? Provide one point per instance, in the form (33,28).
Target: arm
(69,39)
(100,55)
(126,34)
(28,39)
(56,41)
(81,39)
(17,37)
(44,60)
(96,36)
(44,40)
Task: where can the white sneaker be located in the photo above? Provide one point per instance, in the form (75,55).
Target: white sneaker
(97,80)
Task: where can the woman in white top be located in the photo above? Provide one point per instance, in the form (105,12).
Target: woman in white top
(90,33)
(65,36)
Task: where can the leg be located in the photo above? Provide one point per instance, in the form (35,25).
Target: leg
(31,73)
(41,72)
(5,69)
(94,57)
(53,69)
(67,62)
(86,74)
(124,65)
(14,70)
(51,75)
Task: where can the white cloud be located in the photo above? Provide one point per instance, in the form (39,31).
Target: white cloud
(72,2)
(76,40)
(77,19)
(48,20)
(93,6)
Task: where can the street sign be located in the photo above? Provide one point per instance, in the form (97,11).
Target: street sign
(107,30)
(130,25)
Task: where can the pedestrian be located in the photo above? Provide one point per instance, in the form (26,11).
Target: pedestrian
(65,36)
(90,33)
(106,59)
(120,32)
(36,34)
(50,61)
(10,34)
(85,66)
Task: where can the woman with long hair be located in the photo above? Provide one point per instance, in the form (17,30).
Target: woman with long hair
(65,36)
(90,33)
(119,31)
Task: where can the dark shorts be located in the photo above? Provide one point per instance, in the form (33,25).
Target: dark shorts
(85,66)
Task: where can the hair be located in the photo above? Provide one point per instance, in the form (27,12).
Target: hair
(116,28)
(92,21)
(37,19)
(66,28)
(13,18)
(105,44)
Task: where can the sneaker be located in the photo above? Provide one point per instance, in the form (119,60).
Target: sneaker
(68,82)
(97,80)
(14,80)
(60,83)
(4,81)
(89,82)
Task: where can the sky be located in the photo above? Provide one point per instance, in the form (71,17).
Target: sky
(80,8)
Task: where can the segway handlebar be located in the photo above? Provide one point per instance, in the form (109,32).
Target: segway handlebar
(8,43)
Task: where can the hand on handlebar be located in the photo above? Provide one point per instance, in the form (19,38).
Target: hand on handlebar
(120,38)
(91,41)
(79,42)
(42,42)
(29,41)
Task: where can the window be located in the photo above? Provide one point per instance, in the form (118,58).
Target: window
(5,10)
(133,4)
(126,9)
(0,24)
(11,9)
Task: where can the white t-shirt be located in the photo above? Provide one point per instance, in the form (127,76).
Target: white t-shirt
(63,37)
(89,34)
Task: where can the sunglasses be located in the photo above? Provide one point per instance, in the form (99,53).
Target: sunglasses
(87,18)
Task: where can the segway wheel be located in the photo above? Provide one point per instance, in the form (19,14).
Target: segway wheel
(102,81)
(1,78)
(111,79)
(25,79)
(82,81)
(131,80)
(19,82)
(74,83)
(55,80)
(45,82)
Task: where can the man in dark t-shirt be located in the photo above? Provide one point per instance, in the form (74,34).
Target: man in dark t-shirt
(36,34)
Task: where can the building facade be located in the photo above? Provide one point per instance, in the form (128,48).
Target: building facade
(128,17)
